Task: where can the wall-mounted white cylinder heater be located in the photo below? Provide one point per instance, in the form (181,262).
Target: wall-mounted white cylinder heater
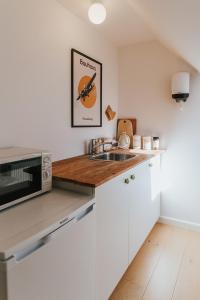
(180,86)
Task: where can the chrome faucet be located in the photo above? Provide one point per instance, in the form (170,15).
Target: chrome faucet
(95,145)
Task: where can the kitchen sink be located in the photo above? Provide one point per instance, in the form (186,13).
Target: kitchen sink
(112,156)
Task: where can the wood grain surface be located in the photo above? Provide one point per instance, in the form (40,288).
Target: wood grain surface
(166,267)
(128,126)
(82,170)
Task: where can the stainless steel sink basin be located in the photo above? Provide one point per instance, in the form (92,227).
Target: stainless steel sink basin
(112,156)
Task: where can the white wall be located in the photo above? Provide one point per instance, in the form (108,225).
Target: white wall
(35,103)
(145,74)
(167,19)
(36,38)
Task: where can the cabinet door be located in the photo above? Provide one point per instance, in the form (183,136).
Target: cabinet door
(112,234)
(155,176)
(144,199)
(139,209)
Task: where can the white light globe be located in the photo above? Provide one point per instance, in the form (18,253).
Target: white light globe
(97,13)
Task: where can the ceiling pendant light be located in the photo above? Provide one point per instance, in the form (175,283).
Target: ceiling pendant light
(97,13)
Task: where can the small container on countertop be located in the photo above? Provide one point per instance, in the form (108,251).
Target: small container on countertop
(147,142)
(156,143)
(137,142)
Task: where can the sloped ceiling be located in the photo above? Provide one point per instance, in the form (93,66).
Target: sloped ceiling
(176,23)
(123,26)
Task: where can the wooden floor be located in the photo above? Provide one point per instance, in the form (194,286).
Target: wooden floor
(167,267)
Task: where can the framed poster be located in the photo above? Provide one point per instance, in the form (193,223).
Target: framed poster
(86,91)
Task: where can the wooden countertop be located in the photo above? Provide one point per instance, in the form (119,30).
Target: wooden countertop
(93,173)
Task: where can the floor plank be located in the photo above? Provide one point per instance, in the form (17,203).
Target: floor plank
(163,280)
(159,271)
(134,282)
(188,282)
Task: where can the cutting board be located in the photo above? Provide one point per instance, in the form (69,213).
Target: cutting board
(128,126)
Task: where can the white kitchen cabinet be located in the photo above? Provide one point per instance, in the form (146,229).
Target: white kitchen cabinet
(155,188)
(112,234)
(139,209)
(144,199)
(126,212)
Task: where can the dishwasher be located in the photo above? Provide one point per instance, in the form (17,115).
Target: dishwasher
(59,266)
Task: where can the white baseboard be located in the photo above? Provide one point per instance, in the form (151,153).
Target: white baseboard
(179,223)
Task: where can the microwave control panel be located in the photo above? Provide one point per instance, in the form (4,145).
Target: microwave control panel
(46,172)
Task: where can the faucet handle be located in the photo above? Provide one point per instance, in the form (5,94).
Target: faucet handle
(91,146)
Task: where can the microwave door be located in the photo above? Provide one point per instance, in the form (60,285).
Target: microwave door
(20,179)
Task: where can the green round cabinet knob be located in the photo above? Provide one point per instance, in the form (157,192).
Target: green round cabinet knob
(126,181)
(132,177)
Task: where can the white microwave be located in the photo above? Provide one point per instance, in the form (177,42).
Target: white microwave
(24,173)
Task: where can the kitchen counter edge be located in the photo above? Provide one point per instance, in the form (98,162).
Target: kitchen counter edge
(93,173)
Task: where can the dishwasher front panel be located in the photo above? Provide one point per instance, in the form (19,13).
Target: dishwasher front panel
(61,267)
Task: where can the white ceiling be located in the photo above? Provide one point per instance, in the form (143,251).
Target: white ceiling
(176,23)
(122,27)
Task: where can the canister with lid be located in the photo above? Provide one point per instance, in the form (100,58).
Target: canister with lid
(147,142)
(156,143)
(137,142)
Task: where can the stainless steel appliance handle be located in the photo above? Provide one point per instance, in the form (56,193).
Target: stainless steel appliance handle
(84,213)
(35,246)
(25,252)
